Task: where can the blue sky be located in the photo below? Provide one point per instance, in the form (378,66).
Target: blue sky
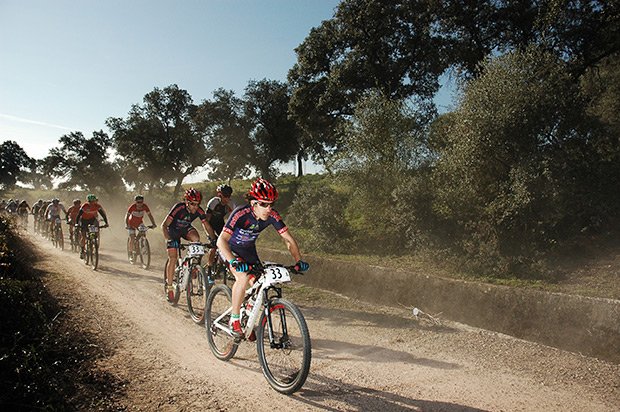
(69,65)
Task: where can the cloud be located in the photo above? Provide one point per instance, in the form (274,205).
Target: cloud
(22,120)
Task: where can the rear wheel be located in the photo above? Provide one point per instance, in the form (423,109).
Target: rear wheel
(219,305)
(197,291)
(285,361)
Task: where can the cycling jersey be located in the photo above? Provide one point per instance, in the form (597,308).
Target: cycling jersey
(89,211)
(135,215)
(244,228)
(182,220)
(72,213)
(54,210)
(218,211)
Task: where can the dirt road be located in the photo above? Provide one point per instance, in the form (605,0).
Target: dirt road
(364,358)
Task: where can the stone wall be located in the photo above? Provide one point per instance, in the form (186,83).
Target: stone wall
(590,326)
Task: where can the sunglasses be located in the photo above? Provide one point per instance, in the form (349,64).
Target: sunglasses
(193,204)
(139,203)
(265,205)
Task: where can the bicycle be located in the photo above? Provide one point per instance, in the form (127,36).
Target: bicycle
(56,236)
(189,275)
(141,247)
(91,250)
(275,323)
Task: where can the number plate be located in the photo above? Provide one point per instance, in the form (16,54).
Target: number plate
(277,274)
(196,250)
(142,228)
(93,229)
(58,220)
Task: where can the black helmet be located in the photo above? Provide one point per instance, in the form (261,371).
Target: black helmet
(138,197)
(225,190)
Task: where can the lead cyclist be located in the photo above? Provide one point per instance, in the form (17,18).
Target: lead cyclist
(237,243)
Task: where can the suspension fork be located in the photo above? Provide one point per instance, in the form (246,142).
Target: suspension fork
(268,311)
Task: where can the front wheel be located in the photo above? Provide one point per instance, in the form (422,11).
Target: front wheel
(60,238)
(93,253)
(285,361)
(197,291)
(144,251)
(219,306)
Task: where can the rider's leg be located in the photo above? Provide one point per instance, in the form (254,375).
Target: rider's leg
(172,260)
(132,240)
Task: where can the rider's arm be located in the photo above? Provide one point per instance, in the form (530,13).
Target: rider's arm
(291,244)
(79,215)
(222,245)
(164,226)
(127,219)
(152,219)
(105,218)
(208,228)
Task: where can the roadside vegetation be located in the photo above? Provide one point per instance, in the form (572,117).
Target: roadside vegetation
(44,358)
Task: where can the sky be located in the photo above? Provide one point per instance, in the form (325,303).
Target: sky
(68,65)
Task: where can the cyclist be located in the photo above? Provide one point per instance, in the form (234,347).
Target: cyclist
(237,242)
(22,211)
(72,213)
(53,212)
(177,225)
(88,216)
(11,207)
(133,218)
(217,208)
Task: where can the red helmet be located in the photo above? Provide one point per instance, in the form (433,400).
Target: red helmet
(263,190)
(193,195)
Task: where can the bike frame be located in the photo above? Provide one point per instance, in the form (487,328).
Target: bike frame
(260,289)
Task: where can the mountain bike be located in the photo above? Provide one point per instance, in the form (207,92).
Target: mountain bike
(276,324)
(91,249)
(141,247)
(56,236)
(190,276)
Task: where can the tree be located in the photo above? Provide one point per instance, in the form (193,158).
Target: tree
(402,48)
(14,163)
(275,136)
(159,141)
(226,128)
(84,163)
(522,164)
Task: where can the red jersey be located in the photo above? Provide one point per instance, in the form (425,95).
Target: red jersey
(90,211)
(135,215)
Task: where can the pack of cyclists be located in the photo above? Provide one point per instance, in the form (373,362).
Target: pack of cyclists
(231,230)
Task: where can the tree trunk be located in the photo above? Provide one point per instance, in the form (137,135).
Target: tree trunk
(300,170)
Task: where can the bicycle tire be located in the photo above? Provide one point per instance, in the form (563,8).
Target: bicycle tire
(94,255)
(144,251)
(197,290)
(60,238)
(287,363)
(222,344)
(175,283)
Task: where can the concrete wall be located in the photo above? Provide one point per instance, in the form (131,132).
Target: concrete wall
(590,326)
